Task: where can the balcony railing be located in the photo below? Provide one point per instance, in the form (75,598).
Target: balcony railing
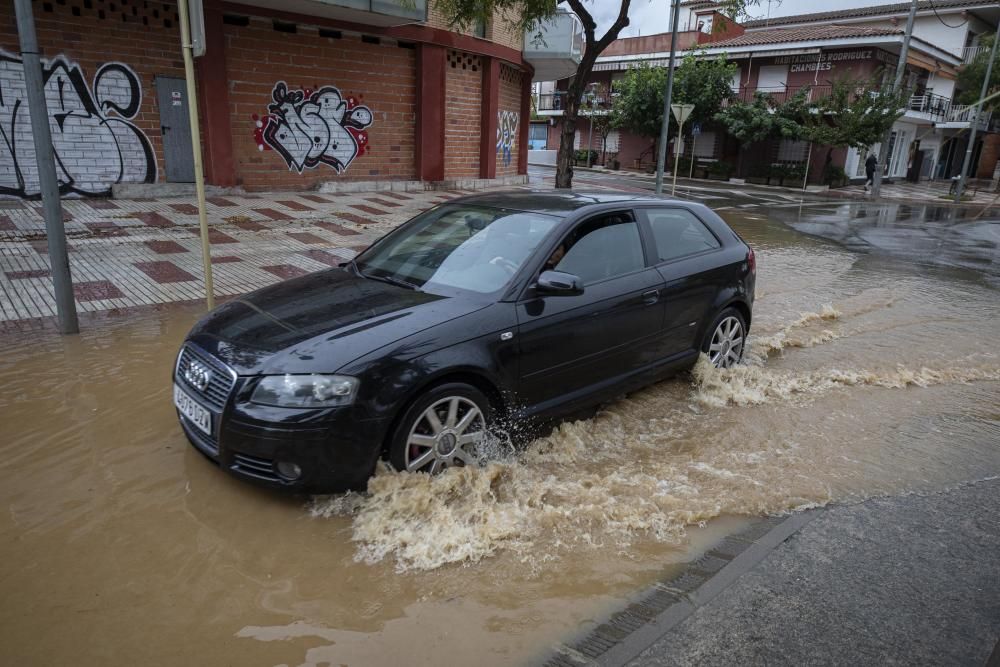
(935,106)
(970,53)
(780,94)
(943,110)
(556,101)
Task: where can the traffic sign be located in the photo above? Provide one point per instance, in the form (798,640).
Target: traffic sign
(681,111)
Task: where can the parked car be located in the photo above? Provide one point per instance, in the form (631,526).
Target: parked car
(513,305)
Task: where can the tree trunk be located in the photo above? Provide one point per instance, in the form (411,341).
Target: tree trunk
(564,159)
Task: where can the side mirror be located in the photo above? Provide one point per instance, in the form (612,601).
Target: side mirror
(558,283)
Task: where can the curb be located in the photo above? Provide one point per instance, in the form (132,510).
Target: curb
(667,604)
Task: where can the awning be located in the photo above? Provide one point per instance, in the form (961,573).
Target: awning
(659,61)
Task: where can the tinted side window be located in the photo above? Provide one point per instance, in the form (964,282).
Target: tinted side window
(601,248)
(678,233)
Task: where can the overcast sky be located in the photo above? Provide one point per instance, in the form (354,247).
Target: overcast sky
(648,17)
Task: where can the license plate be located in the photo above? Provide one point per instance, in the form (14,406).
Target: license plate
(188,407)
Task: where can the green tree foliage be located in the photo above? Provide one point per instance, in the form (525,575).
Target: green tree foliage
(638,107)
(855,114)
(765,118)
(704,83)
(970,77)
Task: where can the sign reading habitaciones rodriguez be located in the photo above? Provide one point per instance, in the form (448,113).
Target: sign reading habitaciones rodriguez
(810,62)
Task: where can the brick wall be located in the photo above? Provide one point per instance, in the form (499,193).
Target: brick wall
(502,30)
(378,75)
(463,105)
(509,122)
(90,34)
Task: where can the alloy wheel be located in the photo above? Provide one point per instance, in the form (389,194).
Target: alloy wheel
(445,434)
(726,347)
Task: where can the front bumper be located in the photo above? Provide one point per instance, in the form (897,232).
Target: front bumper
(335,457)
(335,449)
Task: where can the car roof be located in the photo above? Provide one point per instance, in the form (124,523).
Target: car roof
(560,202)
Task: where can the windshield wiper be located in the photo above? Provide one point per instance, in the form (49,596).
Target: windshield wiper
(398,282)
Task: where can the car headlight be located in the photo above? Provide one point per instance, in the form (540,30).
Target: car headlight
(305,391)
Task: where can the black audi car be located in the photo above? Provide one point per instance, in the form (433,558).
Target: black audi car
(513,306)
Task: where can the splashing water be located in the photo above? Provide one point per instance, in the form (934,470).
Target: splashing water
(646,467)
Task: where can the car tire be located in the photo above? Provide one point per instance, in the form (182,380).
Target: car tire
(726,339)
(463,414)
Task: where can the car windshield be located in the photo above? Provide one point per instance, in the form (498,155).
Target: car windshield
(458,246)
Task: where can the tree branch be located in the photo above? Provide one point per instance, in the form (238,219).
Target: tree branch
(620,23)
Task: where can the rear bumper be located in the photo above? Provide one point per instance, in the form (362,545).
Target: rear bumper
(335,457)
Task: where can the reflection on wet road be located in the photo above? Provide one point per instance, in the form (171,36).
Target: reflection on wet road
(122,544)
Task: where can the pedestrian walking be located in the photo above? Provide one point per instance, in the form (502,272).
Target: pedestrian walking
(870,164)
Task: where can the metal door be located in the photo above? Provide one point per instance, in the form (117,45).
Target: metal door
(175,128)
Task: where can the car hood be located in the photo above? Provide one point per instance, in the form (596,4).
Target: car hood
(320,322)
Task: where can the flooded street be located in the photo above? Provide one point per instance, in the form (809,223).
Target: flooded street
(867,375)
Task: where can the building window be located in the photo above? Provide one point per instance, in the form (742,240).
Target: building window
(704,145)
(772,78)
(538,136)
(792,151)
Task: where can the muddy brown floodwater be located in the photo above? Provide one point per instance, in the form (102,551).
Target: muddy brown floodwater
(120,544)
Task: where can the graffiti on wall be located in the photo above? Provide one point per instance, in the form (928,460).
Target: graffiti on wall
(94,143)
(506,131)
(308,127)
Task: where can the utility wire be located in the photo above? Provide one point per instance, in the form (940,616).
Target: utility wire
(943,22)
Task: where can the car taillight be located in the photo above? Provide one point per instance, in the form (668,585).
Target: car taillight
(752,261)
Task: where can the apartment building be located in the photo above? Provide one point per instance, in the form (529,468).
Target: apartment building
(779,56)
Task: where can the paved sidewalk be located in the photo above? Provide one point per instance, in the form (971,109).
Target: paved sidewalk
(137,252)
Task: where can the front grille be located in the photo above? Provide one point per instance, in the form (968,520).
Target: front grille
(256,466)
(202,441)
(221,377)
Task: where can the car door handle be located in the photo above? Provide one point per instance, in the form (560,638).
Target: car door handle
(651,297)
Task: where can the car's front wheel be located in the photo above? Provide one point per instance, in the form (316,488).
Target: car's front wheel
(442,428)
(726,338)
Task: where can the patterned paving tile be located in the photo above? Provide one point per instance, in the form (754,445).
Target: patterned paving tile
(337,229)
(368,209)
(220,201)
(96,290)
(105,228)
(307,237)
(285,271)
(351,217)
(66,215)
(294,205)
(165,247)
(274,215)
(216,237)
(250,225)
(153,219)
(323,257)
(101,204)
(318,199)
(31,273)
(118,249)
(382,202)
(164,272)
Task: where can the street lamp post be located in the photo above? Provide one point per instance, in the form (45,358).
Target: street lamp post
(661,155)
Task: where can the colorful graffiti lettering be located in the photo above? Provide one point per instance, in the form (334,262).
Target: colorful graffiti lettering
(94,143)
(506,131)
(308,128)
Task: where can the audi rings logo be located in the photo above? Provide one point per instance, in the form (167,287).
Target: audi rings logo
(197,375)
